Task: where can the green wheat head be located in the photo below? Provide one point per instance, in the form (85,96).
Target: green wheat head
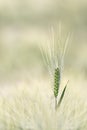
(56,87)
(56,82)
(53,56)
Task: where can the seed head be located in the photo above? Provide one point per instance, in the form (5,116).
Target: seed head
(56,82)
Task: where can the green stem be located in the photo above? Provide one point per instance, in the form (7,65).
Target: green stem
(55,103)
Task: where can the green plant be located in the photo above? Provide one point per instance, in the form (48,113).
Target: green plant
(53,56)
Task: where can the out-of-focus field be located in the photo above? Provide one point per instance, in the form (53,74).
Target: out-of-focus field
(24,26)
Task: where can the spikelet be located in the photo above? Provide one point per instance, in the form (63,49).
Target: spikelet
(56,82)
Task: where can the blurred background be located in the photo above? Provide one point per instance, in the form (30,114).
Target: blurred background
(24,25)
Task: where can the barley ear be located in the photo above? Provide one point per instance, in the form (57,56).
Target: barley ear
(56,82)
(62,95)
